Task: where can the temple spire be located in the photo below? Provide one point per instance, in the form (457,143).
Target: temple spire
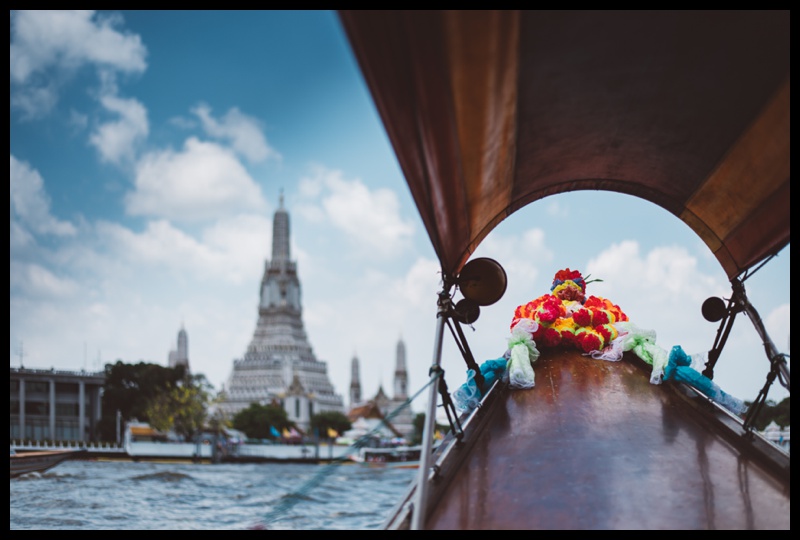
(400,372)
(280,234)
(355,382)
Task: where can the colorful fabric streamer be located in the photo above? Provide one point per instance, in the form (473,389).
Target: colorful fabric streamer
(468,395)
(523,354)
(679,369)
(643,344)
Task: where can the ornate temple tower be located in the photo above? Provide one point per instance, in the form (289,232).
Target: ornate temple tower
(279,352)
(404,418)
(355,383)
(400,373)
(181,355)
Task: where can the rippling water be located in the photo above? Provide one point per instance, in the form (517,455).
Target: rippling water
(87,495)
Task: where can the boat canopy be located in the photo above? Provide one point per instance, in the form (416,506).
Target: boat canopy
(489,111)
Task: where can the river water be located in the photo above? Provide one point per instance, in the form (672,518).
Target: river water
(119,495)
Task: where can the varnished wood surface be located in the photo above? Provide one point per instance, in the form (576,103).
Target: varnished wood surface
(594,445)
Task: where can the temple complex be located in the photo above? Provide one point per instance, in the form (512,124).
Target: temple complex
(394,407)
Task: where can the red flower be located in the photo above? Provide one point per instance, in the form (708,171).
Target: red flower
(604,303)
(605,332)
(568,338)
(594,302)
(608,332)
(564,275)
(547,337)
(583,317)
(589,340)
(601,316)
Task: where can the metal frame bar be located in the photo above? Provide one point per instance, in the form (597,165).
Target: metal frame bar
(418,517)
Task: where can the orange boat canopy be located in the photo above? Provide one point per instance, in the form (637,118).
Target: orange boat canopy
(143,431)
(489,111)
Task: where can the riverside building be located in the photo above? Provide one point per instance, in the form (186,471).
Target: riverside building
(55,405)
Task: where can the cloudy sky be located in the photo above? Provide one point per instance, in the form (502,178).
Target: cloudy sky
(148,152)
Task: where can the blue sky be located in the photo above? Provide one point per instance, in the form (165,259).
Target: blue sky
(148,152)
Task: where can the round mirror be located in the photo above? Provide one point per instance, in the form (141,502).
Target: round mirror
(483,281)
(714,309)
(466,311)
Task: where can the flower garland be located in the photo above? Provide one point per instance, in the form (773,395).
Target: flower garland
(566,317)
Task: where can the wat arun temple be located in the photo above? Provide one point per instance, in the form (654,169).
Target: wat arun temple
(279,366)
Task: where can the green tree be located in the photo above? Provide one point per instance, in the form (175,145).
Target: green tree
(321,422)
(782,411)
(182,407)
(779,412)
(255,421)
(130,388)
(419,426)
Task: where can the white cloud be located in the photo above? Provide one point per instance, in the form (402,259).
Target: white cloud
(128,292)
(311,186)
(521,254)
(232,250)
(19,237)
(136,319)
(78,120)
(310,212)
(367,320)
(30,205)
(159,243)
(418,286)
(63,41)
(38,282)
(204,181)
(370,218)
(243,243)
(35,101)
(116,141)
(555,210)
(660,290)
(243,132)
(44,38)
(665,275)
(777,325)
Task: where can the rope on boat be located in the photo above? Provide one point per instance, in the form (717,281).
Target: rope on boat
(288,501)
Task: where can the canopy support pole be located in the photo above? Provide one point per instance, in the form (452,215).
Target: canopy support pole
(418,513)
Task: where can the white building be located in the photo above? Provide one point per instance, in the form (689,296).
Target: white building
(777,434)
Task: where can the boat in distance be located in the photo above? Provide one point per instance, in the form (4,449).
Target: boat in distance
(488,111)
(398,457)
(387,457)
(40,461)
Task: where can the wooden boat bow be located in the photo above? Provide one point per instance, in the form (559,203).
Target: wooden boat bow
(595,445)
